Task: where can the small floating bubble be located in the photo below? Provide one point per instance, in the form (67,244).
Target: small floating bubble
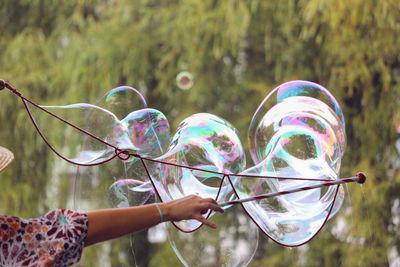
(184,80)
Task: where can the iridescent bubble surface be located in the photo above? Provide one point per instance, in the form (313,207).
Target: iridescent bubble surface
(123,100)
(184,80)
(146,130)
(291,219)
(304,127)
(141,130)
(233,243)
(147,133)
(313,91)
(71,143)
(297,132)
(126,192)
(202,141)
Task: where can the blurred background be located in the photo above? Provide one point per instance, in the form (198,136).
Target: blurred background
(236,51)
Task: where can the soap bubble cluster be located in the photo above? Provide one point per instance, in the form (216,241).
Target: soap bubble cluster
(297,132)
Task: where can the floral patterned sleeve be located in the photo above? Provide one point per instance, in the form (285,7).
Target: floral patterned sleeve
(55,239)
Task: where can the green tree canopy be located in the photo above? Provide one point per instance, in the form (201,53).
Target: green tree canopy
(63,52)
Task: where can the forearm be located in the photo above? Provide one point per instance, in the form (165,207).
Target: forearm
(112,223)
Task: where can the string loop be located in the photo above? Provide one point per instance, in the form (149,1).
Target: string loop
(122,154)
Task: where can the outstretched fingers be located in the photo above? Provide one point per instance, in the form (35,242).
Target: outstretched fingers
(206,205)
(191,207)
(205,221)
(210,206)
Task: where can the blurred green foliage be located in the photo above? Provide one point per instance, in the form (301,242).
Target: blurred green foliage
(62,52)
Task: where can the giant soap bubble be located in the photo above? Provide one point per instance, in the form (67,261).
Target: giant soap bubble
(203,148)
(313,94)
(296,132)
(145,132)
(142,130)
(91,135)
(209,146)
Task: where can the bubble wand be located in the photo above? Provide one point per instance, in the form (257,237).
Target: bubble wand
(359,178)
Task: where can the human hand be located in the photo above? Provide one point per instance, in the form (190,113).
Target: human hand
(190,207)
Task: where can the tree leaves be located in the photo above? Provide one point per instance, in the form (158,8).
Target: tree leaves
(73,51)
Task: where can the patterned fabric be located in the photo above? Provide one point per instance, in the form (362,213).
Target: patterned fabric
(55,239)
